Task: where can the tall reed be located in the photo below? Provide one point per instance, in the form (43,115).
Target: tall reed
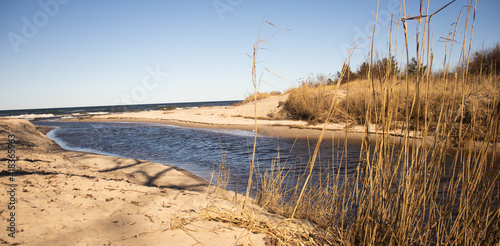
(438,183)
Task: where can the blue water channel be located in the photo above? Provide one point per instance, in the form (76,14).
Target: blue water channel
(201,150)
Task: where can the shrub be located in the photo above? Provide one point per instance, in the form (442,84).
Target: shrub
(486,61)
(309,104)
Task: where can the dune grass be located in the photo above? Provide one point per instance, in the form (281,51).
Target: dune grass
(309,103)
(441,99)
(259,96)
(442,188)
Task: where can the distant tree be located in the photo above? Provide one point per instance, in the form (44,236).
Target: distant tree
(363,70)
(385,67)
(348,75)
(412,68)
(486,61)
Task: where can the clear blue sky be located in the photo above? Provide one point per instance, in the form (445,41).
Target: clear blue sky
(84,53)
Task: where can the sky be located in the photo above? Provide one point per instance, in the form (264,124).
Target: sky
(69,53)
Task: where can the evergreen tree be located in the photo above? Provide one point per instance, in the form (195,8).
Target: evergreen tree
(363,70)
(348,75)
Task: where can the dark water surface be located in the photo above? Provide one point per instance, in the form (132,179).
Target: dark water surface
(80,112)
(199,150)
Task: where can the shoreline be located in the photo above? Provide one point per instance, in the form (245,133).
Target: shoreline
(275,130)
(70,197)
(146,167)
(242,117)
(239,116)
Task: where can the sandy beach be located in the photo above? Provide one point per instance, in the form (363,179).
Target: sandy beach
(60,197)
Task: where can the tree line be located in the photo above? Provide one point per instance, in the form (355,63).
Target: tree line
(483,62)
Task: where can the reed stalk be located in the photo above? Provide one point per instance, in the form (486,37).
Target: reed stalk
(427,172)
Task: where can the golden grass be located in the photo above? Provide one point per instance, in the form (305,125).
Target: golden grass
(418,193)
(312,103)
(260,96)
(440,189)
(309,103)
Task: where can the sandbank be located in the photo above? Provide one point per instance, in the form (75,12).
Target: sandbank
(238,117)
(242,117)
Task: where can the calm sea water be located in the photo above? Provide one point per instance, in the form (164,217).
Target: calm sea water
(76,112)
(198,150)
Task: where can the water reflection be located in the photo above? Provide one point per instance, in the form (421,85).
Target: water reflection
(199,150)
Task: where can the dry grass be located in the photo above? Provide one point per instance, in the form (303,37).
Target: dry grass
(440,189)
(279,231)
(309,103)
(356,98)
(418,193)
(415,194)
(260,96)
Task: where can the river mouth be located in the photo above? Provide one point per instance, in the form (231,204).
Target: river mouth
(200,151)
(341,171)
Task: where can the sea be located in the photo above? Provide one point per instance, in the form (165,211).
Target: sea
(203,152)
(81,112)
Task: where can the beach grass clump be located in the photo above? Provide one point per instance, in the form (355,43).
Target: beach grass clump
(260,96)
(353,107)
(275,93)
(309,103)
